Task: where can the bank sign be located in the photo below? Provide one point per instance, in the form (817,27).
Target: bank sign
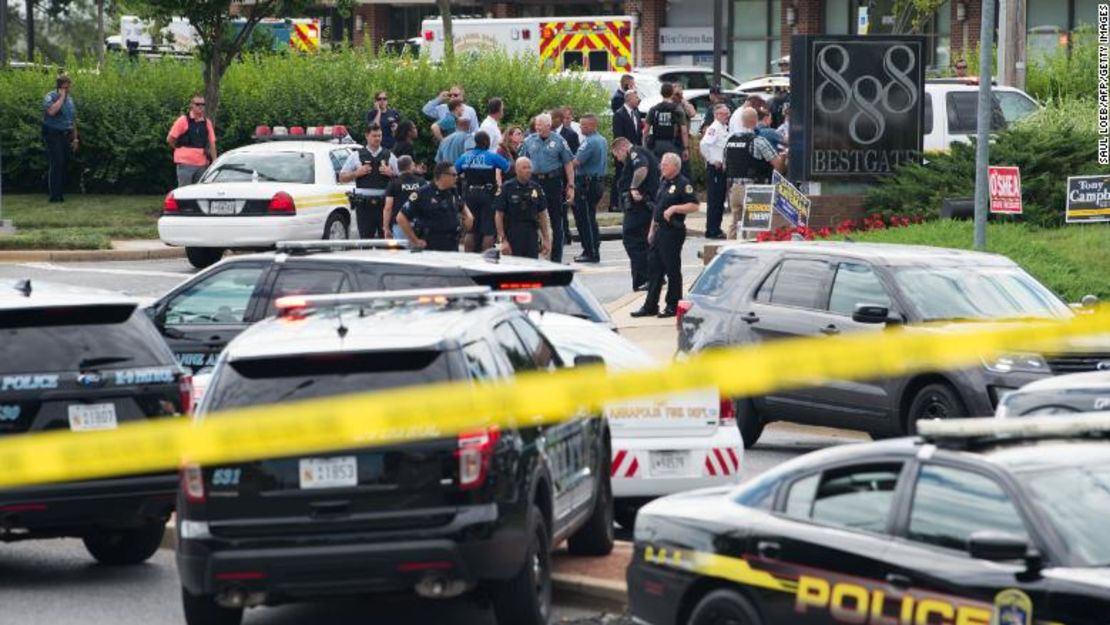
(857,105)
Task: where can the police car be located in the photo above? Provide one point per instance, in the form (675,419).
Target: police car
(438,517)
(254,196)
(976,521)
(1065,394)
(662,444)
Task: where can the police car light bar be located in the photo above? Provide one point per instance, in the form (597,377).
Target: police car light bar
(308,247)
(295,304)
(1016,428)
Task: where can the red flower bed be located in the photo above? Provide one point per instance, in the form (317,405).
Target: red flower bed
(871,222)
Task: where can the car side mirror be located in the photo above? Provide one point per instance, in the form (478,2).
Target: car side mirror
(1089,301)
(997,546)
(585,360)
(871,313)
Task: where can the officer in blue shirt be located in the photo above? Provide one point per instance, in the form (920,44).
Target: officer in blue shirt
(59,133)
(589,179)
(482,172)
(553,168)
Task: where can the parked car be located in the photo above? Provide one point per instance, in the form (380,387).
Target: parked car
(700,99)
(1065,394)
(689,76)
(951,111)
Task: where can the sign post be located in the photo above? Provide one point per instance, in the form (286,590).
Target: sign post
(756,215)
(1088,199)
(1005,190)
(789,201)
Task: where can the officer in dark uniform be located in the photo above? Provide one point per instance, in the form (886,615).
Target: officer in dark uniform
(521,214)
(481,171)
(371,168)
(637,185)
(398,193)
(431,216)
(666,125)
(674,200)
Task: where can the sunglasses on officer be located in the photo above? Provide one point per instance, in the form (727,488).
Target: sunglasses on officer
(198,104)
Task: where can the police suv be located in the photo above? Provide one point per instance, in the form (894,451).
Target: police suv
(74,360)
(975,521)
(438,517)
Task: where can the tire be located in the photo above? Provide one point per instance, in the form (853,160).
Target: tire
(202,257)
(625,514)
(748,422)
(595,538)
(935,401)
(525,598)
(723,607)
(127,546)
(336,228)
(203,610)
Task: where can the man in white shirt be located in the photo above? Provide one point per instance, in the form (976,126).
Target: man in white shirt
(495,109)
(713,150)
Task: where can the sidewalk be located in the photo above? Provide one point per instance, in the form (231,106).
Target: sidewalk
(139,249)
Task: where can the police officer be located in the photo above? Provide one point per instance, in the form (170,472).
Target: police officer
(553,168)
(666,126)
(371,168)
(674,200)
(590,168)
(749,159)
(712,148)
(521,214)
(431,216)
(638,183)
(481,171)
(398,192)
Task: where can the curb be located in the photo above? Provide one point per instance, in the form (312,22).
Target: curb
(11,256)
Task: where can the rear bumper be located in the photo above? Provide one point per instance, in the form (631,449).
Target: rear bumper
(245,232)
(71,508)
(715,460)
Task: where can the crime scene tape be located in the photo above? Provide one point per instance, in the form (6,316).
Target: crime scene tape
(412,413)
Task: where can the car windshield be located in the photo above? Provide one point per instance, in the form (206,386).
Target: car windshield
(296,167)
(977,293)
(1076,501)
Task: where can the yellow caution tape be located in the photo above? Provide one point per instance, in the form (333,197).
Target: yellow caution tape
(406,414)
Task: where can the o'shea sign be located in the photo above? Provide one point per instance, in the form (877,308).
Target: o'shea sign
(1005,189)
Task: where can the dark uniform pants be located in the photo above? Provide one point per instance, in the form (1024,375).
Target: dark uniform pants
(715,200)
(614,193)
(369,212)
(589,190)
(665,260)
(439,241)
(556,211)
(634,231)
(524,239)
(57,153)
(480,201)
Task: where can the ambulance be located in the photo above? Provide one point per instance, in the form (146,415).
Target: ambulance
(595,44)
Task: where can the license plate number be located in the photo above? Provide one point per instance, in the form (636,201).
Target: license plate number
(92,417)
(669,463)
(328,472)
(222,207)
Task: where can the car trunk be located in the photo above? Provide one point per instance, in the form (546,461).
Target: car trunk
(679,415)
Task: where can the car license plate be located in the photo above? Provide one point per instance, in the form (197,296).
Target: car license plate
(329,472)
(221,207)
(92,417)
(669,463)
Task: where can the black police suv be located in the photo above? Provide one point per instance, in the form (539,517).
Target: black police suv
(1064,394)
(441,517)
(82,362)
(200,316)
(753,293)
(980,521)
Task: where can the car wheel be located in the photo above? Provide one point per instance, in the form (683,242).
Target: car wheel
(201,257)
(203,610)
(748,421)
(723,607)
(125,546)
(935,401)
(525,598)
(625,515)
(595,538)
(336,228)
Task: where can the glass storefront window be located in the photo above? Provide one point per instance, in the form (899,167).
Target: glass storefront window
(1086,12)
(838,20)
(1048,26)
(749,59)
(750,18)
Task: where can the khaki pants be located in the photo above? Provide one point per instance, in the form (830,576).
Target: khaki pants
(735,209)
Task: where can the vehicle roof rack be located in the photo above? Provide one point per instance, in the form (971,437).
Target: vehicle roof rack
(301,248)
(970,433)
(298,305)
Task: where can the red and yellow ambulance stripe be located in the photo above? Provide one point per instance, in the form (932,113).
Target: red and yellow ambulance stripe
(558,37)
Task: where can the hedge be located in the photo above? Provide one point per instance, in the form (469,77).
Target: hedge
(126,108)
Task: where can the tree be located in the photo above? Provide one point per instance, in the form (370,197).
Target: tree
(220,42)
(448,33)
(911,16)
(100,33)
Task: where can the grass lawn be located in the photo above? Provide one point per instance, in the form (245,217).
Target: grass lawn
(1073,260)
(81,222)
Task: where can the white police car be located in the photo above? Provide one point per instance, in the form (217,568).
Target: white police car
(254,196)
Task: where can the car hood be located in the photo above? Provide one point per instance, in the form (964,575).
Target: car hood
(1098,577)
(703,503)
(1099,343)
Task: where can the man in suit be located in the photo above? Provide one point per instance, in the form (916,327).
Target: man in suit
(627,123)
(628,83)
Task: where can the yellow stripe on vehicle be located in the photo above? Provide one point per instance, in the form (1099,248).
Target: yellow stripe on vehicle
(400,415)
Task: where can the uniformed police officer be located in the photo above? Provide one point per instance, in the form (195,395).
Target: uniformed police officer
(553,168)
(674,200)
(638,183)
(431,216)
(521,214)
(481,171)
(371,168)
(749,159)
(398,192)
(590,170)
(666,126)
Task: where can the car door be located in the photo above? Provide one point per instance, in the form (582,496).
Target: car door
(929,562)
(829,531)
(297,278)
(199,319)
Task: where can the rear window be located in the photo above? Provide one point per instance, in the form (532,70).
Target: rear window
(288,378)
(963,107)
(724,274)
(47,339)
(560,292)
(297,167)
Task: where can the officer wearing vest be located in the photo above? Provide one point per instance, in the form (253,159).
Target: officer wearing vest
(637,186)
(666,126)
(371,168)
(553,165)
(481,171)
(434,217)
(521,214)
(398,192)
(749,159)
(674,200)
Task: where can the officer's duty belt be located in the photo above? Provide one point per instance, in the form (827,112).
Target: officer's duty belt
(548,176)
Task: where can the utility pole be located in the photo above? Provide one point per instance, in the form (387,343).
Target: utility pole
(982,146)
(1020,33)
(3,34)
(30,31)
(1005,51)
(718,39)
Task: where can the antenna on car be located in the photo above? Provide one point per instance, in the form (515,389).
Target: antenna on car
(24,287)
(492,255)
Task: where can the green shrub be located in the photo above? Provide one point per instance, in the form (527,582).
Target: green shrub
(1063,74)
(126,108)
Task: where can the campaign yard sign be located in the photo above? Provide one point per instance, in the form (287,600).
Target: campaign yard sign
(757,207)
(789,201)
(1005,189)
(1088,199)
